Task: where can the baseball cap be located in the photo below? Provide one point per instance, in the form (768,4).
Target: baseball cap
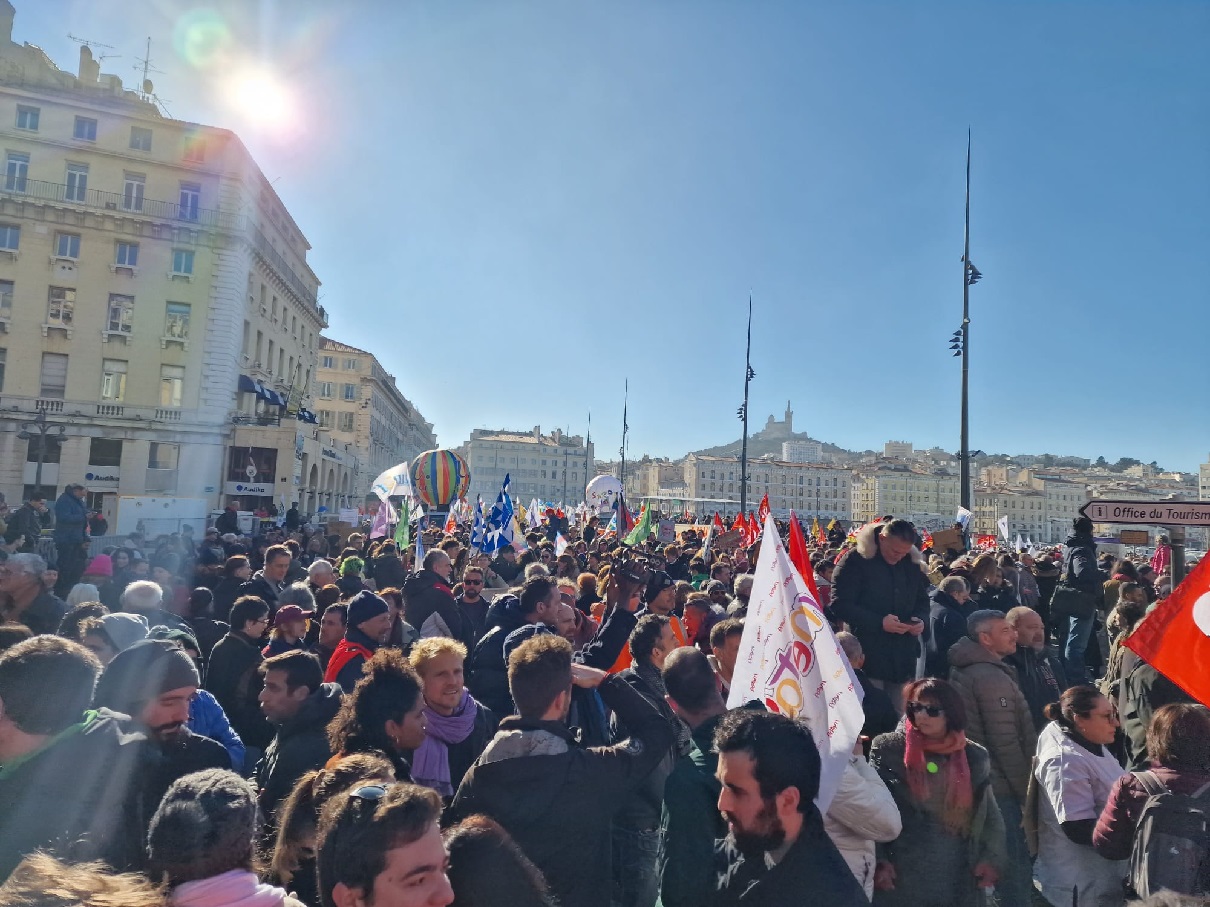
(288,613)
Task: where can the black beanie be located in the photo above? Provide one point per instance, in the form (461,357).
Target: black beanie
(137,675)
(205,826)
(365,605)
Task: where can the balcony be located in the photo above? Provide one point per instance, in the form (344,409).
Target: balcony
(116,203)
(265,249)
(17,407)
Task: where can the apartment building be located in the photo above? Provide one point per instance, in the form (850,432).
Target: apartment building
(550,467)
(809,489)
(927,497)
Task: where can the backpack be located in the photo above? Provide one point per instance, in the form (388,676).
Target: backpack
(1171,841)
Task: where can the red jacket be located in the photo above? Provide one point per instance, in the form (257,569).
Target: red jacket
(1114,835)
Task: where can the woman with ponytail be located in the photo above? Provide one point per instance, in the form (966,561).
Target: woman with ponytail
(1075,772)
(952,843)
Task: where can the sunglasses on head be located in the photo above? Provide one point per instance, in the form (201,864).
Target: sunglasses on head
(370,793)
(933,711)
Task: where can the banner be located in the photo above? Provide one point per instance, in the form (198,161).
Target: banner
(1002,525)
(789,660)
(395,481)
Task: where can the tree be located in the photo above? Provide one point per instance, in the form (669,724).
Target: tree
(1101,462)
(1124,463)
(1047,460)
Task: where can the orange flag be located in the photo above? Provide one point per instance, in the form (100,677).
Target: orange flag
(800,558)
(1175,637)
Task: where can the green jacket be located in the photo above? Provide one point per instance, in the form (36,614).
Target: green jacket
(692,823)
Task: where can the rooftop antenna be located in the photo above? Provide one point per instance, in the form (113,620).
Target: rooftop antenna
(91,44)
(146,89)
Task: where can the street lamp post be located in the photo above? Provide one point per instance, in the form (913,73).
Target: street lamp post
(38,430)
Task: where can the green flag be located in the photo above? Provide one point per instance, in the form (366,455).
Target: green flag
(403,532)
(641,530)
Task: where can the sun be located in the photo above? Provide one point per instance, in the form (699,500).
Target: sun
(262,98)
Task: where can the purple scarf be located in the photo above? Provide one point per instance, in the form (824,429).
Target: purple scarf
(431,761)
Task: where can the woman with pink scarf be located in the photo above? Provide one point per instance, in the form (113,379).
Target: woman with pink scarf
(458,727)
(201,844)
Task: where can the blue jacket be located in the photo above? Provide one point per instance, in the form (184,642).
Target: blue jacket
(207,719)
(71,518)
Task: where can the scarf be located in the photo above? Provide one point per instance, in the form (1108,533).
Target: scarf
(431,763)
(959,797)
(237,888)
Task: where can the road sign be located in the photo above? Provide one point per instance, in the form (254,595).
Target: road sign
(1168,513)
(1134,537)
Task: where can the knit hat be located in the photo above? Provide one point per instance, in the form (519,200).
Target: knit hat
(205,826)
(124,630)
(521,634)
(101,565)
(658,583)
(351,565)
(147,669)
(365,605)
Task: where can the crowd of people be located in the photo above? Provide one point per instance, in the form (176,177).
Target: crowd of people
(302,718)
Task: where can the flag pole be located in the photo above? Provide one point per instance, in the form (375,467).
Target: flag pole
(743,414)
(625,429)
(965,491)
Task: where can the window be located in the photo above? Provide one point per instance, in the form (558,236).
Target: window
(162,456)
(350,391)
(27,117)
(351,365)
(182,261)
(10,237)
(176,320)
(327,362)
(172,384)
(67,245)
(54,376)
(191,197)
(61,306)
(132,192)
(121,313)
(325,418)
(3,357)
(113,379)
(326,389)
(346,421)
(16,169)
(127,255)
(6,299)
(77,182)
(86,129)
(104,452)
(195,149)
(140,138)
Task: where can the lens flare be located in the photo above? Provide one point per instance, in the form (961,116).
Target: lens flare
(201,37)
(261,98)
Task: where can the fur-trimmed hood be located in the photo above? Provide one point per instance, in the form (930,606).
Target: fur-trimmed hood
(867,545)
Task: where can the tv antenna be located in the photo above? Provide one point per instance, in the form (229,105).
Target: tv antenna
(146,88)
(84,42)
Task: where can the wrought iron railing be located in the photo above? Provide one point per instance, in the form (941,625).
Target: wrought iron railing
(118,203)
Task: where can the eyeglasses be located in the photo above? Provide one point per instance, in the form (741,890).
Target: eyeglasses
(933,711)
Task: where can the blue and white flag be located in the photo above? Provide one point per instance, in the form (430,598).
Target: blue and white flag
(499,529)
(479,526)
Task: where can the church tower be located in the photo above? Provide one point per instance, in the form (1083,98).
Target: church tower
(789,419)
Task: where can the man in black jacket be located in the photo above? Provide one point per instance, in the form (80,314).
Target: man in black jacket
(1080,591)
(488,672)
(271,580)
(881,591)
(553,796)
(428,601)
(233,675)
(777,848)
(27,523)
(299,704)
(1039,672)
(69,775)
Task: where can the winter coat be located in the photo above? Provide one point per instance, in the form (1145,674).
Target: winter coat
(262,588)
(643,808)
(997,715)
(43,614)
(947,625)
(993,598)
(486,671)
(207,719)
(233,676)
(1114,833)
(1080,570)
(71,520)
(351,669)
(880,714)
(1144,690)
(226,591)
(865,589)
(429,606)
(812,869)
(227,522)
(74,796)
(1041,679)
(691,822)
(388,572)
(28,522)
(557,798)
(300,744)
(862,813)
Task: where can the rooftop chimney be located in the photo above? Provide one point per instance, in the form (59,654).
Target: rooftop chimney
(7,13)
(90,69)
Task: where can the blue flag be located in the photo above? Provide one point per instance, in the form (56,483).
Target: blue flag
(498,531)
(479,526)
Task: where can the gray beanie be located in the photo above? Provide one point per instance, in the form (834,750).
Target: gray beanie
(205,826)
(123,629)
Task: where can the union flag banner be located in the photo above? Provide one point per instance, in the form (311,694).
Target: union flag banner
(1175,637)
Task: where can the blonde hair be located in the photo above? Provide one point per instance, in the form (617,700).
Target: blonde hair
(42,881)
(429,648)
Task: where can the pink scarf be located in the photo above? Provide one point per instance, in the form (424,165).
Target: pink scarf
(237,888)
(959,796)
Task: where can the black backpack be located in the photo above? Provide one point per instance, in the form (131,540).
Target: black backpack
(1171,841)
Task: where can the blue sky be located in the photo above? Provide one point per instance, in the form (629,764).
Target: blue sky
(516,205)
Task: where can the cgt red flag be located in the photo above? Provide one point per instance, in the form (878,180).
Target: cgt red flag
(1175,637)
(762,512)
(752,529)
(718,523)
(740,525)
(800,558)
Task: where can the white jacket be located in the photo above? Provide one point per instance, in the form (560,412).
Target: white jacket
(862,812)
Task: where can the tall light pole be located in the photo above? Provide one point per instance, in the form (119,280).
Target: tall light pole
(970,276)
(625,430)
(743,415)
(38,429)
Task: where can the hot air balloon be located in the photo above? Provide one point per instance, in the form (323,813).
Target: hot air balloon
(439,477)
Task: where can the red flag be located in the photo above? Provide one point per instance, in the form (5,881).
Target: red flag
(799,557)
(451,524)
(718,523)
(1175,637)
(753,529)
(740,525)
(762,511)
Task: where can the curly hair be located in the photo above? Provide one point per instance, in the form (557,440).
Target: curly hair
(388,690)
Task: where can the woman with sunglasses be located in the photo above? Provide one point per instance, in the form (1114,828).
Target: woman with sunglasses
(952,843)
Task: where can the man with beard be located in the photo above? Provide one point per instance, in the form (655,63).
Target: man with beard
(153,681)
(776,847)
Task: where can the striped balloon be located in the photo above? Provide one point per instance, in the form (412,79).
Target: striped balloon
(439,477)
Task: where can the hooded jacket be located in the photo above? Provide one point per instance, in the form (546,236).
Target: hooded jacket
(429,606)
(997,715)
(556,798)
(233,677)
(947,625)
(300,744)
(487,672)
(1080,570)
(865,589)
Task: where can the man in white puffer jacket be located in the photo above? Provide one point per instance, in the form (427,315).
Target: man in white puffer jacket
(862,813)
